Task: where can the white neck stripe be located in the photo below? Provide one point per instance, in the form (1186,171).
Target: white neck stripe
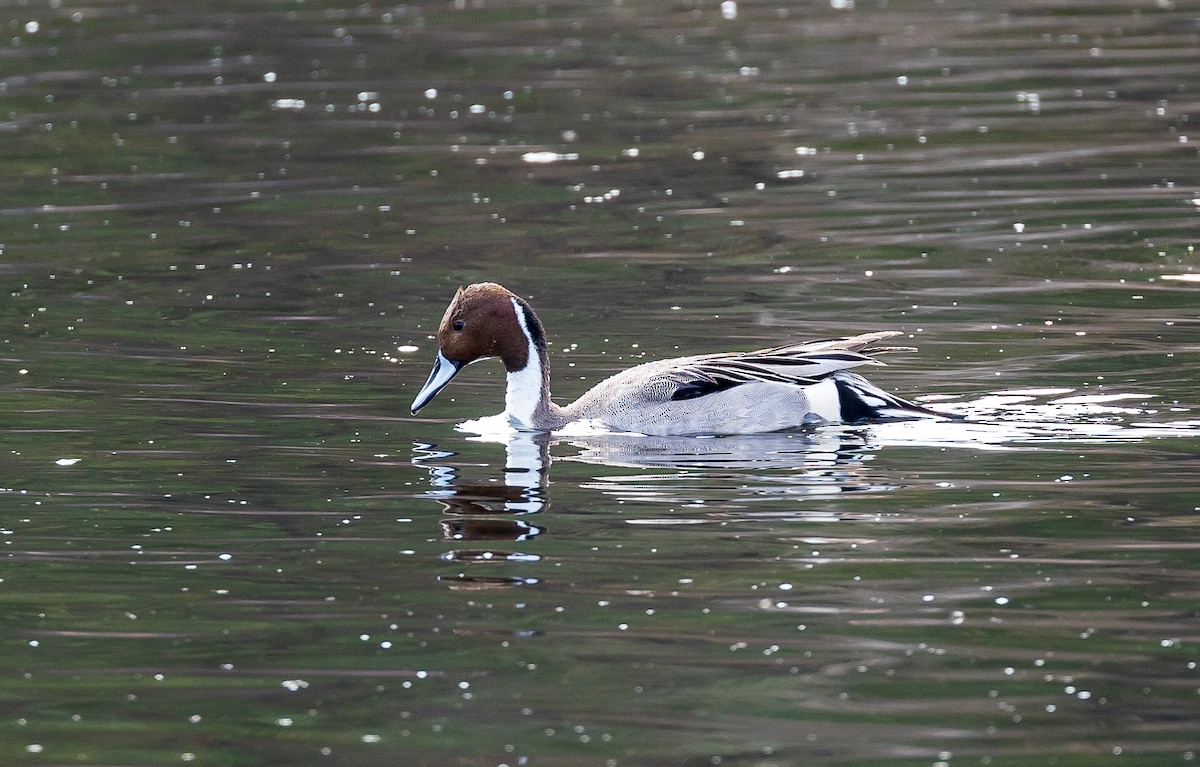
(523,392)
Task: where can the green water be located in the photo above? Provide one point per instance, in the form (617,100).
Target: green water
(226,541)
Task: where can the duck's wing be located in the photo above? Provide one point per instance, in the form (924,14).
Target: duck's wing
(798,364)
(848,344)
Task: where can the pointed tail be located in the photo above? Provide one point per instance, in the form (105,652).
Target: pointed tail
(861,400)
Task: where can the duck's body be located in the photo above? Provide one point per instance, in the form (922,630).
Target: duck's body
(732,393)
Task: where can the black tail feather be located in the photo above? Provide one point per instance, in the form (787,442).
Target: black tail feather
(860,400)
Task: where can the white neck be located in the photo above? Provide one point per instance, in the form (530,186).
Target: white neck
(524,390)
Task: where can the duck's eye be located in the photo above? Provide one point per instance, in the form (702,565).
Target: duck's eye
(458,324)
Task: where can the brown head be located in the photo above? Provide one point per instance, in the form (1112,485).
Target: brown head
(484,320)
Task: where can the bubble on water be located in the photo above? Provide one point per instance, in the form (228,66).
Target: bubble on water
(545,158)
(269,77)
(1032,101)
(729,10)
(32,27)
(67,461)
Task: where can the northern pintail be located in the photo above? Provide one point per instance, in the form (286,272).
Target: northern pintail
(730,393)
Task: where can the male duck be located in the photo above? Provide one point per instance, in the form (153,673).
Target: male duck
(730,393)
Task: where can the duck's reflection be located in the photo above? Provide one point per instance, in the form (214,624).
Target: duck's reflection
(705,479)
(488,511)
(689,471)
(838,451)
(718,479)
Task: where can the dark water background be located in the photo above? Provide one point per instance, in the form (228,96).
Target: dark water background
(226,542)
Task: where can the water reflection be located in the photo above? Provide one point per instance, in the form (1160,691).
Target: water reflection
(708,479)
(714,480)
(489,511)
(824,455)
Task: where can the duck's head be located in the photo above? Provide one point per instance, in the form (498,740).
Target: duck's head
(484,320)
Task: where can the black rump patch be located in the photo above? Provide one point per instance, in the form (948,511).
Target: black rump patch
(854,408)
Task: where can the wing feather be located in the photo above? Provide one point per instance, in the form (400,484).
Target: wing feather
(797,364)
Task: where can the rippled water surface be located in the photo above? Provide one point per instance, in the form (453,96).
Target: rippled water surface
(227,231)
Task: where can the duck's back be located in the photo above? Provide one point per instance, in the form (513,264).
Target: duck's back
(745,393)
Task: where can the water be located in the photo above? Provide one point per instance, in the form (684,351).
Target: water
(227,542)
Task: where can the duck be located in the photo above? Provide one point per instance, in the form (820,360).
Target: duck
(729,393)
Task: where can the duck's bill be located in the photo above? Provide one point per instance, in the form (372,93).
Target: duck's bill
(443,371)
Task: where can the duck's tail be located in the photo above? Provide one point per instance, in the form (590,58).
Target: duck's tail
(861,400)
